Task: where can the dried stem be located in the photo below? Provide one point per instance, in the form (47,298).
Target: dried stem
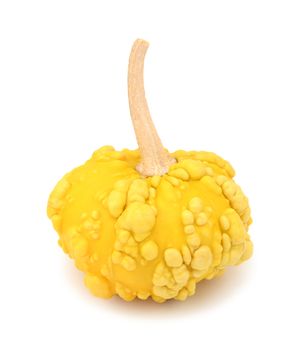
(155,160)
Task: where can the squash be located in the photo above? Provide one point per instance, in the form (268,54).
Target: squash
(146,222)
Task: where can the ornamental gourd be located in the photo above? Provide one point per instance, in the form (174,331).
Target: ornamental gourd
(149,223)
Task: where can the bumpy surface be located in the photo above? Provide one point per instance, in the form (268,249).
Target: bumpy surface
(155,236)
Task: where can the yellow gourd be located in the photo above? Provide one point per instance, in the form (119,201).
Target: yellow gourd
(146,222)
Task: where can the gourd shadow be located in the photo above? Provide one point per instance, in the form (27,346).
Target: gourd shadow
(209,295)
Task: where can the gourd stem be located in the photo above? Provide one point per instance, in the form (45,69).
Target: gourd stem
(155,160)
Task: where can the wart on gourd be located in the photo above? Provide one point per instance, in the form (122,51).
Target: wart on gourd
(149,223)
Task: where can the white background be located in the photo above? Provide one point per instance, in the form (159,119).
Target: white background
(223,76)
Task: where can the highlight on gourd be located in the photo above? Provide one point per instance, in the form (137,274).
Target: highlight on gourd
(146,222)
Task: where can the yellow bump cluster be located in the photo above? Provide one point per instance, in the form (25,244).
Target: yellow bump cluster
(202,259)
(156,236)
(135,222)
(173,257)
(149,250)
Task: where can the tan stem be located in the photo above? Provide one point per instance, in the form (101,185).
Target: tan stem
(155,160)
